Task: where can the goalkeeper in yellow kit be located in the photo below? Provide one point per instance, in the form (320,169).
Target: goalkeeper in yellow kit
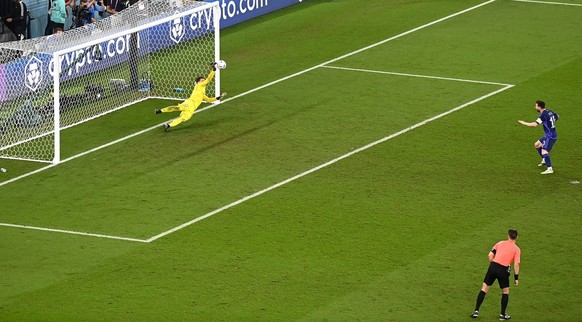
(190,105)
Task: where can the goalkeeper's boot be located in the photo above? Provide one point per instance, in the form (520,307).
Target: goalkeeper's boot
(157,111)
(548,171)
(166,127)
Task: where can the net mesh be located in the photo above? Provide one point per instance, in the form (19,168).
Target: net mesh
(150,49)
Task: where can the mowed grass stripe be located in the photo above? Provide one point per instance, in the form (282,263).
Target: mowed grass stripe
(269,132)
(397,232)
(269,84)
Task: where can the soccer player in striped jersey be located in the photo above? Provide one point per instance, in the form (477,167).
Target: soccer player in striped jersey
(189,106)
(544,145)
(501,256)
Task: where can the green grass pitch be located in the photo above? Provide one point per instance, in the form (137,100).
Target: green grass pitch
(370,188)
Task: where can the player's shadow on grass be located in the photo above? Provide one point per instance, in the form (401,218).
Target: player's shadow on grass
(236,136)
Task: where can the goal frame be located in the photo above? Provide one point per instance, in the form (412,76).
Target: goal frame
(102,38)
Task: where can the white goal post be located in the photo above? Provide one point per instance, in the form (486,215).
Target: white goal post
(148,50)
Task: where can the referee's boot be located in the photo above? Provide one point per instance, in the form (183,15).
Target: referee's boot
(475,314)
(504,317)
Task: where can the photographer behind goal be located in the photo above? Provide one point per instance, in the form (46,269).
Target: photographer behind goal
(83,14)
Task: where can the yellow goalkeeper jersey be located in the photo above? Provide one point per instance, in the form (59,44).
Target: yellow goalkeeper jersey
(199,92)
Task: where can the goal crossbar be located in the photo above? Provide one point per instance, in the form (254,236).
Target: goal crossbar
(208,5)
(63,80)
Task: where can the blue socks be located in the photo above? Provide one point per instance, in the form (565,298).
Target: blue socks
(547,160)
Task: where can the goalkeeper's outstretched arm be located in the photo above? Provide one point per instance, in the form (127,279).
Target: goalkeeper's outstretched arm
(210,75)
(214,99)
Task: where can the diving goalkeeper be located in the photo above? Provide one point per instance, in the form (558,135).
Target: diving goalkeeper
(190,105)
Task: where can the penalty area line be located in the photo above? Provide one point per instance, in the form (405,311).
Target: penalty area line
(303,174)
(233,98)
(256,89)
(74,232)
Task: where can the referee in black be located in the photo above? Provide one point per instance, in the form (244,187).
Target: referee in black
(501,256)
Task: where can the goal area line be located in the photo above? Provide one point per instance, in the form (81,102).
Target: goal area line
(551,3)
(73,232)
(277,185)
(416,75)
(324,65)
(365,147)
(261,87)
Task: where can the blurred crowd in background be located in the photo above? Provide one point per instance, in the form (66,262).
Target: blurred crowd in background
(34,18)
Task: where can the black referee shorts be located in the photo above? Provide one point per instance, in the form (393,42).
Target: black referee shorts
(497,272)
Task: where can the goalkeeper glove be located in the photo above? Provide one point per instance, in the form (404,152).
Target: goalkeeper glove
(213,64)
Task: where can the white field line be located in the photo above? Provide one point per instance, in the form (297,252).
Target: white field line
(391,136)
(550,2)
(362,49)
(69,126)
(149,240)
(74,232)
(249,92)
(255,89)
(416,75)
(80,155)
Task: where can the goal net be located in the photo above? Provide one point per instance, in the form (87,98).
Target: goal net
(51,83)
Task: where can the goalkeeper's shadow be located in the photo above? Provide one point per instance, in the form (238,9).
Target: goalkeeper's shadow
(241,132)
